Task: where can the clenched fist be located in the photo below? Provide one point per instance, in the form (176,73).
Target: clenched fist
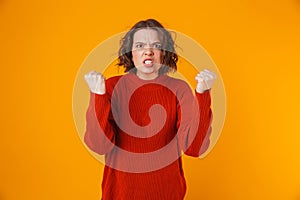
(96,82)
(205,80)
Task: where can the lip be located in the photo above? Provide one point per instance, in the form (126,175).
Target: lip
(148,65)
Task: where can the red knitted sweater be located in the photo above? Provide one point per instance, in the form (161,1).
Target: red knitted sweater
(142,126)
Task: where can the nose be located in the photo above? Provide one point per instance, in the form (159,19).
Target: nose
(148,51)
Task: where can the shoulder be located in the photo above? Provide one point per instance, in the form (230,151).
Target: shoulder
(111,82)
(181,88)
(178,83)
(113,79)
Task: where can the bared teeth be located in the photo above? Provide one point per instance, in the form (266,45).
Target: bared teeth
(148,61)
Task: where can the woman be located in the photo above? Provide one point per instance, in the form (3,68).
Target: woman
(143,120)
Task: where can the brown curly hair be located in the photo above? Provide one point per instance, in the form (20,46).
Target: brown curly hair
(170,57)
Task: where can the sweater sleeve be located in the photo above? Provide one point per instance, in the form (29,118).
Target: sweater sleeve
(100,125)
(195,140)
(202,138)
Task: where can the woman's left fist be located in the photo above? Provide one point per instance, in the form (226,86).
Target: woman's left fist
(205,80)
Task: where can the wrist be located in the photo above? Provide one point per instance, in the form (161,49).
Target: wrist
(201,91)
(98,92)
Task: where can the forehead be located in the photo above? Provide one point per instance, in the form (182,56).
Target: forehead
(146,35)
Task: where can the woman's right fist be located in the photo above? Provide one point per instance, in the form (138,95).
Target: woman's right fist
(96,82)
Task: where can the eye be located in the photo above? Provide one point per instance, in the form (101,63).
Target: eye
(157,46)
(139,45)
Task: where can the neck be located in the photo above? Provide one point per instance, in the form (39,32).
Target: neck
(145,77)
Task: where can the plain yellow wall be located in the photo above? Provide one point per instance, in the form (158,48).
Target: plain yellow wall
(255,44)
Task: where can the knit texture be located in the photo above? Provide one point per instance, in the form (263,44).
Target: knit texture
(142,127)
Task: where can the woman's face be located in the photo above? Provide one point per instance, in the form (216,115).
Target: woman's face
(146,53)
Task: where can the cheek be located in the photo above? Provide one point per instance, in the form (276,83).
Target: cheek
(135,56)
(159,56)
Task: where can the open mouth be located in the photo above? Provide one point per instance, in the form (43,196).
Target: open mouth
(148,62)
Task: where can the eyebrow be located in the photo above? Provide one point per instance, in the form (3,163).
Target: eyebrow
(145,43)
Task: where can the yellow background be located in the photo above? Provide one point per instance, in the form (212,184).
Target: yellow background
(255,44)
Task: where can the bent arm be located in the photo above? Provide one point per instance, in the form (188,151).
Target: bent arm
(194,123)
(100,126)
(201,126)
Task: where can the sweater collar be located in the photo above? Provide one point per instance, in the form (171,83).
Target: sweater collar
(135,78)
